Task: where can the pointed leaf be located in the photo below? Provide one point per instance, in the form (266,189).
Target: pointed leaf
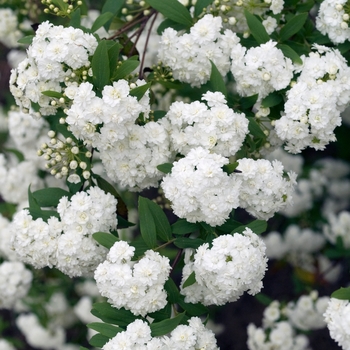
(27,40)
(190,280)
(147,223)
(105,239)
(112,6)
(139,91)
(342,294)
(168,23)
(105,329)
(216,80)
(113,54)
(98,340)
(272,100)
(247,102)
(101,21)
(165,326)
(162,314)
(165,168)
(293,26)
(257,226)
(183,242)
(125,69)
(290,53)
(254,128)
(256,28)
(172,290)
(193,309)
(53,94)
(181,227)
(200,6)
(50,197)
(100,66)
(173,10)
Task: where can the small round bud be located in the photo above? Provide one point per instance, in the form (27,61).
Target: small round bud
(53,172)
(266,76)
(146,12)
(246,35)
(53,141)
(51,134)
(58,158)
(132,86)
(39,152)
(69,140)
(58,176)
(73,164)
(62,121)
(266,132)
(343,25)
(82,165)
(61,100)
(44,146)
(53,103)
(129,18)
(64,170)
(124,11)
(338,7)
(346,17)
(75,150)
(232,21)
(88,154)
(86,174)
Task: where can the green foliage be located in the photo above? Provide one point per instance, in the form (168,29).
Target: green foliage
(165,168)
(216,80)
(342,294)
(105,329)
(166,326)
(256,28)
(100,66)
(105,239)
(101,21)
(293,26)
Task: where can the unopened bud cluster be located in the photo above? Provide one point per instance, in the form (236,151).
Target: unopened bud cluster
(63,158)
(61,9)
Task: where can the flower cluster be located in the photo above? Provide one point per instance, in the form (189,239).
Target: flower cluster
(314,103)
(264,190)
(233,265)
(67,243)
(200,190)
(9,31)
(333,20)
(338,322)
(189,55)
(57,56)
(138,287)
(260,70)
(217,128)
(129,152)
(15,281)
(138,336)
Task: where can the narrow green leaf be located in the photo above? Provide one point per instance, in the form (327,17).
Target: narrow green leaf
(257,226)
(33,204)
(101,21)
(125,69)
(139,91)
(140,246)
(100,66)
(173,10)
(172,290)
(181,227)
(193,309)
(290,53)
(105,239)
(83,348)
(230,168)
(120,317)
(263,299)
(254,128)
(75,18)
(105,329)
(216,80)
(168,23)
(342,294)
(98,340)
(27,40)
(147,223)
(113,6)
(256,28)
(53,94)
(166,326)
(165,167)
(162,314)
(190,280)
(271,100)
(247,102)
(17,153)
(113,54)
(50,197)
(183,242)
(293,26)
(200,6)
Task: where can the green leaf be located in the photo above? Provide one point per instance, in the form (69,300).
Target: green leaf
(120,317)
(83,348)
(105,239)
(184,242)
(105,329)
(27,40)
(165,167)
(181,227)
(50,197)
(113,6)
(173,10)
(100,66)
(113,54)
(190,280)
(44,214)
(293,26)
(75,19)
(254,128)
(17,153)
(139,91)
(271,100)
(168,23)
(216,80)
(125,69)
(162,314)
(263,299)
(256,28)
(342,294)
(230,168)
(53,94)
(200,6)
(98,340)
(257,226)
(147,223)
(290,53)
(193,309)
(166,326)
(247,102)
(101,21)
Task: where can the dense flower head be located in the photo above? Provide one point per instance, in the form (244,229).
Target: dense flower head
(54,57)
(217,128)
(234,264)
(136,286)
(138,336)
(67,242)
(199,190)
(315,101)
(15,281)
(189,54)
(338,321)
(260,70)
(264,190)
